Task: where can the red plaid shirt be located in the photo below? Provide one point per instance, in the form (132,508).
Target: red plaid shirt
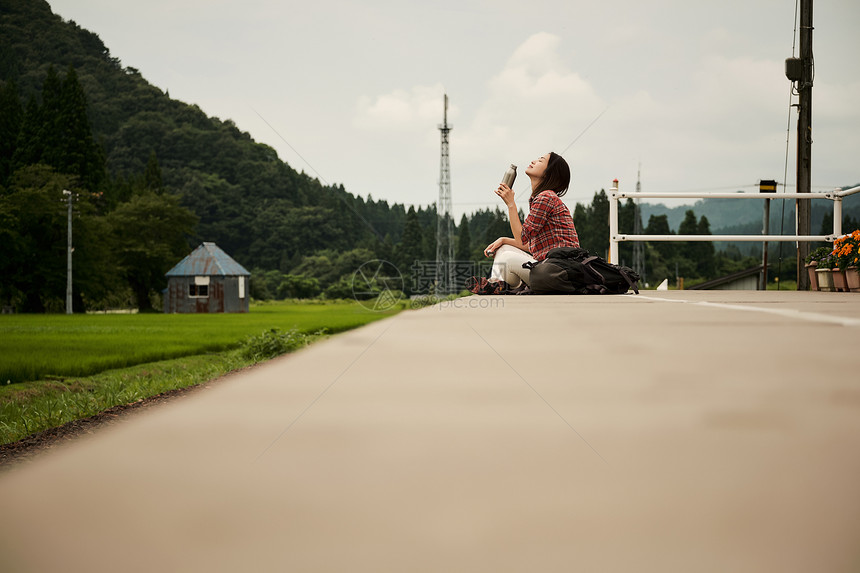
(548,225)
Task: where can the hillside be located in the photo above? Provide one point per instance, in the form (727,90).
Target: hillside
(727,216)
(235,185)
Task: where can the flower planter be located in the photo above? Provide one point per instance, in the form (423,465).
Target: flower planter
(852,277)
(839,283)
(813,276)
(825,280)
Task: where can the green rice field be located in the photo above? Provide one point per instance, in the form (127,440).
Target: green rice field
(37,347)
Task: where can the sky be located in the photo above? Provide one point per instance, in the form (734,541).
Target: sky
(691,95)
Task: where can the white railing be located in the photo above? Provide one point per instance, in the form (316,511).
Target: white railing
(615,237)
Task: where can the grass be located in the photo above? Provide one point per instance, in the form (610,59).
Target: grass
(782,285)
(72,367)
(34,347)
(32,407)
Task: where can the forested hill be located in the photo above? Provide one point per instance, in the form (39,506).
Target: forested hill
(152,177)
(247,200)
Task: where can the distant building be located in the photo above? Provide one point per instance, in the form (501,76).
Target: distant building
(746,279)
(207,280)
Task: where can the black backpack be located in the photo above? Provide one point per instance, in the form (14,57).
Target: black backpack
(568,270)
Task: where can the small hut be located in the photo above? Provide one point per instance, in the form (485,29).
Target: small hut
(207,280)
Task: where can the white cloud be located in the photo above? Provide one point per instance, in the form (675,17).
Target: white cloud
(401,110)
(536,102)
(533,104)
(700,98)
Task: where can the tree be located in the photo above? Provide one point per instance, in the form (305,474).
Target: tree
(464,241)
(78,153)
(150,235)
(497,226)
(592,224)
(33,239)
(152,180)
(626,225)
(706,264)
(659,225)
(28,147)
(689,226)
(11,115)
(58,133)
(410,248)
(697,256)
(298,286)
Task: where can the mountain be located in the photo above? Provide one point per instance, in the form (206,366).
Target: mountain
(255,206)
(727,216)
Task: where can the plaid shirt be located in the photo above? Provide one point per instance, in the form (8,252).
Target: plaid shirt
(548,225)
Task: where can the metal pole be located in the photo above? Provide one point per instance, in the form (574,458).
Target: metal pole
(804,140)
(69,310)
(765,232)
(837,218)
(613,223)
(638,247)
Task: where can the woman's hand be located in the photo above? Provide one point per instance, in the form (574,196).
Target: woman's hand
(507,195)
(494,246)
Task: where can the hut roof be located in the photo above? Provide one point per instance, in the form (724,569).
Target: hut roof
(207,259)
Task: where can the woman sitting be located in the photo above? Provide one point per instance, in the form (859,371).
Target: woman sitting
(547,226)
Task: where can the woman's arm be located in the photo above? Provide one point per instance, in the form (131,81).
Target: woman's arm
(494,246)
(507,195)
(516,226)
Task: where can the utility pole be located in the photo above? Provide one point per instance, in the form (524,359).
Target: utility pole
(69,250)
(804,139)
(444,217)
(638,247)
(765,186)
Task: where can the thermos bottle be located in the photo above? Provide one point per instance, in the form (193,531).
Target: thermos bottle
(510,176)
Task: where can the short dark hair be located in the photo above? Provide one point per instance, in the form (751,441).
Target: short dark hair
(556,177)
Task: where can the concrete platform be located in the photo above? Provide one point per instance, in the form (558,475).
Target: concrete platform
(672,431)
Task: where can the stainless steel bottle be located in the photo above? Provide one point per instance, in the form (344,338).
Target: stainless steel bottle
(510,176)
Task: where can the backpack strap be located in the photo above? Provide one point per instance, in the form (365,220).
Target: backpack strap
(586,263)
(630,282)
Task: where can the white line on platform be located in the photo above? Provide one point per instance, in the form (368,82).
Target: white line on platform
(788,313)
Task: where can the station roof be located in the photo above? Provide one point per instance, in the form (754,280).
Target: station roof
(207,259)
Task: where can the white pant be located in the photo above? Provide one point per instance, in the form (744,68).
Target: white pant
(508,265)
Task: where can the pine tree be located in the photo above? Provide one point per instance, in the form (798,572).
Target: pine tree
(79,154)
(58,133)
(28,147)
(659,225)
(152,176)
(626,218)
(464,241)
(50,126)
(592,224)
(688,250)
(11,116)
(409,249)
(706,264)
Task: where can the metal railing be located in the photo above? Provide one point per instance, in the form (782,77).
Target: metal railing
(615,237)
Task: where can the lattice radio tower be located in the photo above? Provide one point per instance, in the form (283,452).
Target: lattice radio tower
(444,218)
(638,247)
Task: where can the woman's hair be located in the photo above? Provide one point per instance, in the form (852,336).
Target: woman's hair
(556,177)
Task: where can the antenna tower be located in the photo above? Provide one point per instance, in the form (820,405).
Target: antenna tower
(638,247)
(444,218)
